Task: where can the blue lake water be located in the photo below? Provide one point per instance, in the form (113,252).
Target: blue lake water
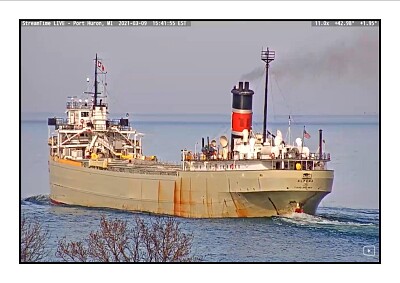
(346,221)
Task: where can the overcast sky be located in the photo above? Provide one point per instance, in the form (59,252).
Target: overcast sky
(317,70)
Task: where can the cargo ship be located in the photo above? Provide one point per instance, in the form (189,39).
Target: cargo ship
(98,162)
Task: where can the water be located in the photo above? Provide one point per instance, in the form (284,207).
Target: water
(346,221)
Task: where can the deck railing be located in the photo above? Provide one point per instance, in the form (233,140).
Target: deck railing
(312,156)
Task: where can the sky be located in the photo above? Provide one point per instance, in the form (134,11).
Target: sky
(171,70)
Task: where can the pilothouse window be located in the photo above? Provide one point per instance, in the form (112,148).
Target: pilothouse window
(84,114)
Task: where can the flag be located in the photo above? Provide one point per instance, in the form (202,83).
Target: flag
(323,141)
(306,135)
(100,66)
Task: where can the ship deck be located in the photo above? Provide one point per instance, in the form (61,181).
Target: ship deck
(141,167)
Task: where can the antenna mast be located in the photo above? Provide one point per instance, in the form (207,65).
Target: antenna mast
(95,82)
(289,129)
(267,56)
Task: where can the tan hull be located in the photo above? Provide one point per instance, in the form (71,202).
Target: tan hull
(191,194)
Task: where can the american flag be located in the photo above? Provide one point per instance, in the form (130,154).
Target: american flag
(306,135)
(100,66)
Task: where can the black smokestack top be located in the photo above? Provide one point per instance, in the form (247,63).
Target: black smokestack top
(242,97)
(242,91)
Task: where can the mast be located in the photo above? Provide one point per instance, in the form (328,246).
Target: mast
(289,130)
(302,142)
(95,82)
(320,144)
(267,56)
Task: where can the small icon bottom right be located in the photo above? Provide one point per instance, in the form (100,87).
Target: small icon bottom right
(369,250)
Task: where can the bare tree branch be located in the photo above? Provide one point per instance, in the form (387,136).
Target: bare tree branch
(33,241)
(73,251)
(160,240)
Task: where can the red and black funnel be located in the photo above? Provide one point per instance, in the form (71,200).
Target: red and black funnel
(242,110)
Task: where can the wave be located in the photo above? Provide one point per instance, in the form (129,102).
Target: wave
(38,199)
(329,217)
(337,221)
(344,215)
(303,219)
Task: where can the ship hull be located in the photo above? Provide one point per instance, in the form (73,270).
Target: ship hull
(257,193)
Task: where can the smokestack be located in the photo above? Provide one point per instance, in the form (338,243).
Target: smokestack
(242,110)
(202,143)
